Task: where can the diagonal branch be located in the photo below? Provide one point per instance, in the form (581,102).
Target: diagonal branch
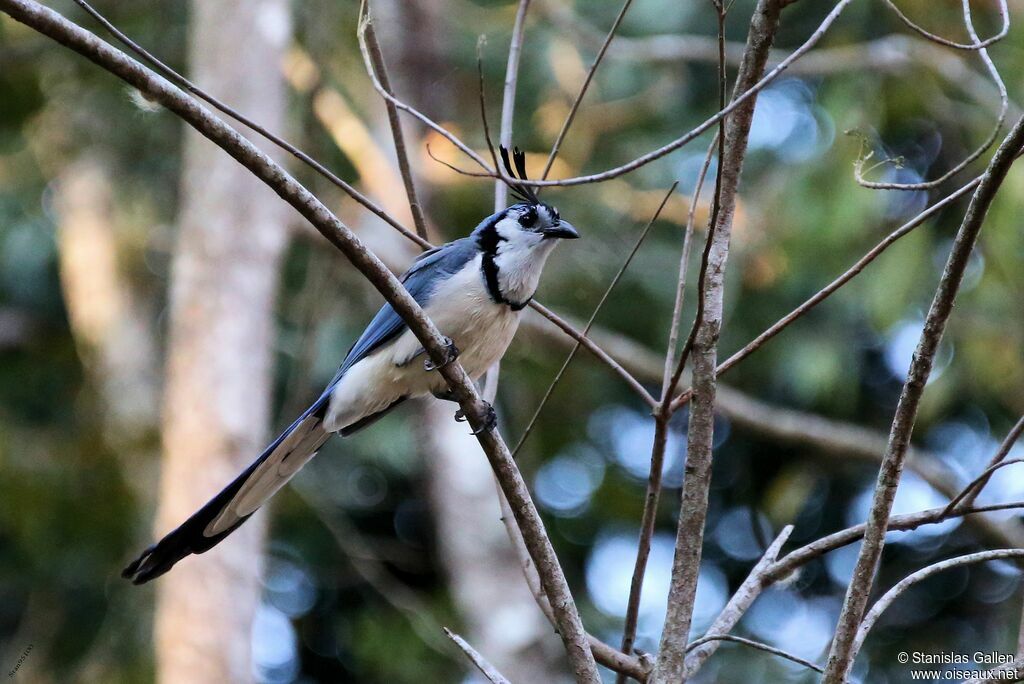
(890,596)
(574,108)
(53,25)
(842,651)
(486,669)
(834,286)
(187,85)
(597,309)
(697,653)
(381,70)
(972,490)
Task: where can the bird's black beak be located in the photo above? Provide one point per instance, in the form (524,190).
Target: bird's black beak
(563,230)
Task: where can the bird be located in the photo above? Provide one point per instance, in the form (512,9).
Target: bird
(473,289)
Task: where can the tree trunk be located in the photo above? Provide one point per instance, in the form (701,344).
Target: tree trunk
(216,403)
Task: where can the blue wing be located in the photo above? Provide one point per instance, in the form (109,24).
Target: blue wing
(420,280)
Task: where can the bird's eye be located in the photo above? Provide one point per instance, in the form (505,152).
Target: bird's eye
(528,217)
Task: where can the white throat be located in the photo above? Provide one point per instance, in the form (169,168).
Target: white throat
(520,260)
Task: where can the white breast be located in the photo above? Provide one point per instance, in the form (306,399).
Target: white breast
(462,310)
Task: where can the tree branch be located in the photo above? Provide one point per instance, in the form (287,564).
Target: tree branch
(697,482)
(381,70)
(486,669)
(841,653)
(697,652)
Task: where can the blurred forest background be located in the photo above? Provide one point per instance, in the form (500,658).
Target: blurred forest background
(388,536)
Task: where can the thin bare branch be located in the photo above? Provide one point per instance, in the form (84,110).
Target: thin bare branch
(684,260)
(890,596)
(841,653)
(697,653)
(976,485)
(1004,105)
(381,70)
(574,108)
(53,25)
(593,316)
(486,669)
(835,285)
(793,560)
(700,434)
(716,638)
(976,45)
(972,490)
(592,347)
(187,85)
(739,100)
(508,100)
(364,21)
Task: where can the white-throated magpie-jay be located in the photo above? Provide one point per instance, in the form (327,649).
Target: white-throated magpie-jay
(473,289)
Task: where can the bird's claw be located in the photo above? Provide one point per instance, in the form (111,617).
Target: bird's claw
(490,419)
(450,354)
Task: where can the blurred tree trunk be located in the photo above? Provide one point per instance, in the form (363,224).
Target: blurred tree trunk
(110,324)
(216,404)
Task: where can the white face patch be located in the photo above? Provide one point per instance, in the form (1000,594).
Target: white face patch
(520,259)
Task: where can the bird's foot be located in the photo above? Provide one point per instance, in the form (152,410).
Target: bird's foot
(450,354)
(490,419)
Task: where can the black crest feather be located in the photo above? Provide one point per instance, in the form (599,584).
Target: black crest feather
(519,190)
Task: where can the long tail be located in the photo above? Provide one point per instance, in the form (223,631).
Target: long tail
(224,513)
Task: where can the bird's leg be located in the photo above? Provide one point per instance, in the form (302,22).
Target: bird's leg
(490,419)
(451,353)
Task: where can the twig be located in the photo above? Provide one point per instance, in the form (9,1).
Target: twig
(508,100)
(187,85)
(597,309)
(634,666)
(684,260)
(890,596)
(381,70)
(910,521)
(834,286)
(364,21)
(1004,105)
(715,638)
(841,653)
(486,669)
(976,45)
(739,100)
(976,485)
(592,347)
(741,600)
(971,493)
(571,116)
(53,25)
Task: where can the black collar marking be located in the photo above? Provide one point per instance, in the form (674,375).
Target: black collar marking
(488,240)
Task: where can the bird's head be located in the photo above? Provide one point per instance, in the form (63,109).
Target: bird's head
(534,223)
